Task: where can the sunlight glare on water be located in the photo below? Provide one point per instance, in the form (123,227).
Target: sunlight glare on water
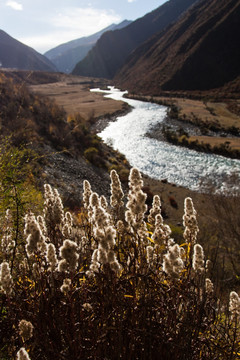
(159,159)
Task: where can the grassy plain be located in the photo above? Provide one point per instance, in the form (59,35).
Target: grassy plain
(217,114)
(72,93)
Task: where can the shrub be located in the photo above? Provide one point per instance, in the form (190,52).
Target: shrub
(91,154)
(111,283)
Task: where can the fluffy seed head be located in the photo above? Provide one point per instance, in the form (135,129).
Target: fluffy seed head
(172,262)
(198,258)
(87,191)
(103,202)
(35,238)
(190,222)
(53,207)
(66,286)
(6,281)
(234,305)
(116,190)
(22,354)
(88,307)
(208,286)
(155,210)
(149,250)
(69,254)
(94,200)
(51,256)
(25,329)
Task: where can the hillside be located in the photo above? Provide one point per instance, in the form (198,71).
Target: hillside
(67,55)
(112,49)
(200,52)
(14,54)
(66,146)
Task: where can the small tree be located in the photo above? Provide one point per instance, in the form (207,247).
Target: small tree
(18,193)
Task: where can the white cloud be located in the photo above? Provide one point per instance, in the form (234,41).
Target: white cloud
(70,24)
(42,43)
(14,5)
(85,20)
(131,1)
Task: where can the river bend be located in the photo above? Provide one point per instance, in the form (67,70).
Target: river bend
(159,159)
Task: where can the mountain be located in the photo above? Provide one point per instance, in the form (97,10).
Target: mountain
(199,52)
(66,56)
(14,54)
(112,49)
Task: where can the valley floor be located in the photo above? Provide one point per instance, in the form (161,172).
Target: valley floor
(73,94)
(205,125)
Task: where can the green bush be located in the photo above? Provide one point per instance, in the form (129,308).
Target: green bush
(91,154)
(18,191)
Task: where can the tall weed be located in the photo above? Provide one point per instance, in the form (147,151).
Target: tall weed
(111,283)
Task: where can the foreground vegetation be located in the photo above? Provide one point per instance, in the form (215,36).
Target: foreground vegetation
(110,282)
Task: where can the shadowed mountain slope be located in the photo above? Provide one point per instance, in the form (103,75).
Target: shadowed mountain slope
(14,54)
(112,49)
(200,52)
(66,56)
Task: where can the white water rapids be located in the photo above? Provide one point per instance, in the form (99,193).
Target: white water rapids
(159,159)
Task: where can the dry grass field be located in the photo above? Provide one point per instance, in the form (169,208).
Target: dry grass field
(72,93)
(208,113)
(233,143)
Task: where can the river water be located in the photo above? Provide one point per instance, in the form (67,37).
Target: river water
(159,159)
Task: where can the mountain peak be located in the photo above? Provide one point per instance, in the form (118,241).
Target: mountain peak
(66,56)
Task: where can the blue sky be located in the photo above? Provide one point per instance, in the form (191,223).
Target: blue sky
(44,24)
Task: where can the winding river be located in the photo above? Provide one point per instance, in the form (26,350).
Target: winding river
(159,159)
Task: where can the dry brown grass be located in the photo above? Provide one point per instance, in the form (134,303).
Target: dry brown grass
(234,143)
(224,114)
(225,117)
(189,108)
(209,112)
(74,96)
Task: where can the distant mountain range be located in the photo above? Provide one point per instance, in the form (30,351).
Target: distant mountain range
(182,45)
(200,51)
(112,49)
(14,54)
(66,56)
